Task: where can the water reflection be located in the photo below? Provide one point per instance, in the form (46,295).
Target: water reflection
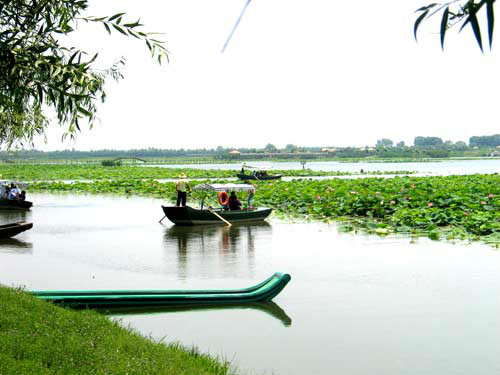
(227,245)
(13,245)
(269,308)
(230,238)
(12,216)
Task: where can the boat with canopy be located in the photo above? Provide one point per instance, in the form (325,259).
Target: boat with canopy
(13,204)
(186,215)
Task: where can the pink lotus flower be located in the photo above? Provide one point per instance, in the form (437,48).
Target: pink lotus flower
(483,202)
(430,204)
(318,197)
(491,195)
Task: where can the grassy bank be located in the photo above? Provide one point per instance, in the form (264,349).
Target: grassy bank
(463,207)
(37,337)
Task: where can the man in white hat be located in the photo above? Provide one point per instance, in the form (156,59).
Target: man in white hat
(182,187)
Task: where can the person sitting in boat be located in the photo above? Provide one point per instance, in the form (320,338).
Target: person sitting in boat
(13,192)
(22,195)
(234,203)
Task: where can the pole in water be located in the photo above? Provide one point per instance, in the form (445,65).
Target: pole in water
(162,218)
(235,26)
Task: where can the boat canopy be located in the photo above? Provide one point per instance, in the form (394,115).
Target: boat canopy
(225,187)
(259,168)
(19,184)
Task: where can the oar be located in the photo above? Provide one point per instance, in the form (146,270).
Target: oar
(220,217)
(162,218)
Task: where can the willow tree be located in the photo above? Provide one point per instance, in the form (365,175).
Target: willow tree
(460,14)
(40,75)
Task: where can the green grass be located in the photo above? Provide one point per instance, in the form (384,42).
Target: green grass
(37,337)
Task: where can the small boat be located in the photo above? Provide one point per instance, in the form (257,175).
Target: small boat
(10,230)
(192,216)
(257,176)
(186,215)
(256,173)
(265,291)
(14,204)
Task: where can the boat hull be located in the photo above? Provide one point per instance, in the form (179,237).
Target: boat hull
(190,216)
(242,176)
(7,204)
(262,292)
(10,230)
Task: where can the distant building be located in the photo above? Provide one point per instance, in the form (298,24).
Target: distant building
(234,152)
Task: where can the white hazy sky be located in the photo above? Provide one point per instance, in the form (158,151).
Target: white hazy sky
(311,73)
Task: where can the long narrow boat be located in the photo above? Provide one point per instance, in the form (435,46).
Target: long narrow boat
(12,229)
(186,215)
(265,291)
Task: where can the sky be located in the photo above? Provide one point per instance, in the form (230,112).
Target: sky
(309,73)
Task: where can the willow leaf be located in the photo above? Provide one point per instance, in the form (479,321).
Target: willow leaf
(475,27)
(491,19)
(444,25)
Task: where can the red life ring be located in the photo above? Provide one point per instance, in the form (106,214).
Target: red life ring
(223,198)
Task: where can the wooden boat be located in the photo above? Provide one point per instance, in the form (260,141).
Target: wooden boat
(14,204)
(265,291)
(193,216)
(10,230)
(257,176)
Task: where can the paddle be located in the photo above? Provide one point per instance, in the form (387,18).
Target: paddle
(220,217)
(162,218)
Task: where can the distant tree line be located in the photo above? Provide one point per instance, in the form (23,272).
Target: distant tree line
(423,147)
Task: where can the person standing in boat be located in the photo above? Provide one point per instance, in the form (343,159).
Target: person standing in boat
(251,194)
(182,187)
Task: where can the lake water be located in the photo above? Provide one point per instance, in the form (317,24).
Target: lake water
(448,167)
(356,304)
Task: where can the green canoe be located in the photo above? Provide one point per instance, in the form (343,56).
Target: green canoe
(265,291)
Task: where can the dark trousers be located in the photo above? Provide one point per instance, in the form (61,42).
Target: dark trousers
(181,198)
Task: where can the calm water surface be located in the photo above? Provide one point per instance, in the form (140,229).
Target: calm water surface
(356,304)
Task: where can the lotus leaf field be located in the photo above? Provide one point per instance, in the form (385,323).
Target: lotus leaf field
(451,207)
(54,172)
